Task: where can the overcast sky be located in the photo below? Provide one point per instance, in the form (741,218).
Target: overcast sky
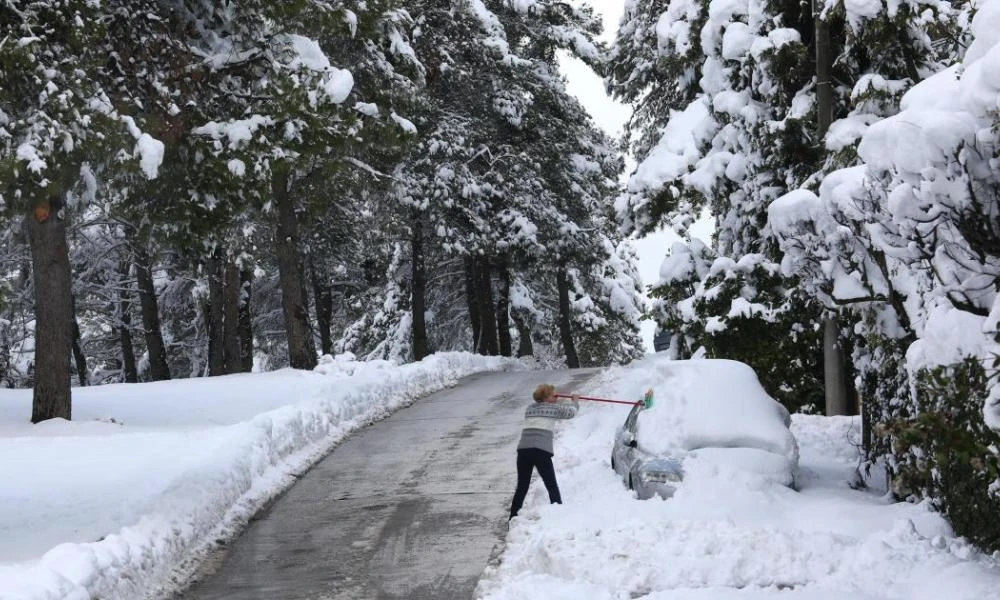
(589,89)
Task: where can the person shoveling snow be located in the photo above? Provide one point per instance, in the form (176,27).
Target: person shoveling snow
(534,451)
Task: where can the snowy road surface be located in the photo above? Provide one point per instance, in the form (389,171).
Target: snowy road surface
(411,507)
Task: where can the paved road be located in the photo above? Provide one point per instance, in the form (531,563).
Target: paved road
(411,507)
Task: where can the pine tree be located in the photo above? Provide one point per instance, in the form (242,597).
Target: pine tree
(50,143)
(737,136)
(480,183)
(301,130)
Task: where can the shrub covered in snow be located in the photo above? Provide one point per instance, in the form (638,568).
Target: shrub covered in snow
(945,450)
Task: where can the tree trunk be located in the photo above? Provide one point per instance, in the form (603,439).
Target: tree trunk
(489,344)
(833,369)
(214,315)
(130,373)
(524,345)
(418,280)
(301,351)
(503,310)
(472,297)
(149,307)
(232,350)
(565,330)
(824,63)
(78,357)
(246,322)
(53,311)
(323,298)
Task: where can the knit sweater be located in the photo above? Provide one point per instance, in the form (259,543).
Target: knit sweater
(540,418)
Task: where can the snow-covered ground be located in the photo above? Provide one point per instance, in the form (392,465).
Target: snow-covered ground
(723,537)
(129,496)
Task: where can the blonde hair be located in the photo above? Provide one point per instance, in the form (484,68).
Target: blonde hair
(543,391)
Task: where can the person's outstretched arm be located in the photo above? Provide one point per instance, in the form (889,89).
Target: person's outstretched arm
(568,407)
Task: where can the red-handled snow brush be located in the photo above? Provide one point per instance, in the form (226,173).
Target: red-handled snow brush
(646,402)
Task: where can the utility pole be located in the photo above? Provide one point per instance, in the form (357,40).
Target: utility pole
(833,355)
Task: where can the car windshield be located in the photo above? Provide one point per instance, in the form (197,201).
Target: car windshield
(631,419)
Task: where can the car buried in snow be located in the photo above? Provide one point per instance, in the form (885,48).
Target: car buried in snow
(710,415)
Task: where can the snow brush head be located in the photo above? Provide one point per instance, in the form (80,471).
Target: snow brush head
(647,399)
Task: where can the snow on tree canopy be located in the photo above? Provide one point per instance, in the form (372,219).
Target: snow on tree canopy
(858,10)
(29,154)
(404,124)
(150,151)
(847,131)
(308,54)
(914,139)
(949,335)
(708,403)
(238,132)
(678,149)
(336,83)
(681,263)
(795,207)
(926,172)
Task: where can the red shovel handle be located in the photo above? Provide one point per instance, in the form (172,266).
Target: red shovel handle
(598,399)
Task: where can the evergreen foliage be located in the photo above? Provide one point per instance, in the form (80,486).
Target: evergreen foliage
(246,185)
(944,449)
(735,81)
(884,223)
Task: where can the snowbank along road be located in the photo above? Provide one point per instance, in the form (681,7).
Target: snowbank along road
(410,507)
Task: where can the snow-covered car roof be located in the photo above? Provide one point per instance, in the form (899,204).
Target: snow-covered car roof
(709,403)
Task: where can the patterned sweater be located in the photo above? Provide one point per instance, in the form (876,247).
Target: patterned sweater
(539,418)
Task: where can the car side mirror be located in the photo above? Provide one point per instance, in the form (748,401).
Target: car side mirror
(630,440)
(632,443)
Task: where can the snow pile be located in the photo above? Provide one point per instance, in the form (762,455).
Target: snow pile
(705,404)
(750,466)
(128,498)
(834,438)
(721,537)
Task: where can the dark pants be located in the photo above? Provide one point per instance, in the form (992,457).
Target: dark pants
(528,459)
